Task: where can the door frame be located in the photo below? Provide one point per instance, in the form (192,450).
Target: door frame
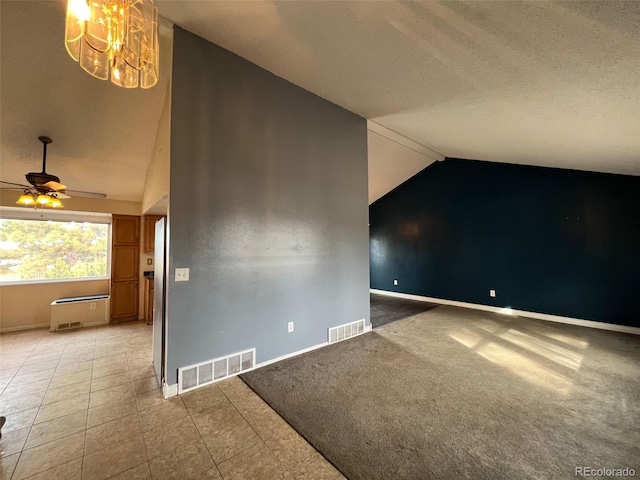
(160,295)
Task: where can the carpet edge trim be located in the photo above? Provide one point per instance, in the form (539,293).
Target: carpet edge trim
(313,445)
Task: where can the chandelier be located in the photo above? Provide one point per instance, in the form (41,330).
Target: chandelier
(116,39)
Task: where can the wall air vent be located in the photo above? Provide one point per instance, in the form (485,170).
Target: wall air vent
(68,326)
(348,330)
(205,373)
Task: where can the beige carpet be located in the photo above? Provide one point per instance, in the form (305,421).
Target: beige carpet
(456,393)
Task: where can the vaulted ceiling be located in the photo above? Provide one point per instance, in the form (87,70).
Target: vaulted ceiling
(532,82)
(103,135)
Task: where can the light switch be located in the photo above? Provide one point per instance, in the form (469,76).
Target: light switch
(182,274)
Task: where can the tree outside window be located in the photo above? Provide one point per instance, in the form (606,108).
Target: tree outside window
(32,250)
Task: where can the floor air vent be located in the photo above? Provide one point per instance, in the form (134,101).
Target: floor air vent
(348,330)
(195,376)
(68,326)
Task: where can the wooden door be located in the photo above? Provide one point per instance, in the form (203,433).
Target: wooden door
(125,265)
(150,232)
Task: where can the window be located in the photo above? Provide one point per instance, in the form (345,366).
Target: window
(53,246)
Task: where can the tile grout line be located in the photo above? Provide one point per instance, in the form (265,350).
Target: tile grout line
(84,449)
(144,443)
(40,445)
(15,467)
(215,465)
(250,426)
(130,355)
(57,439)
(36,416)
(254,431)
(39,408)
(315,451)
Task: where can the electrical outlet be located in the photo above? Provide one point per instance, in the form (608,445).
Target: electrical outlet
(149,261)
(92,306)
(290,327)
(182,274)
(492,293)
(395,282)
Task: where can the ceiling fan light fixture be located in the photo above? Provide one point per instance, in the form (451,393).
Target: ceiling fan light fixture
(39,200)
(115,36)
(45,189)
(55,203)
(26,199)
(43,200)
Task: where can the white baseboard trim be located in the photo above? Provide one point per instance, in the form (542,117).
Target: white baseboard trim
(94,324)
(521,313)
(169,390)
(289,355)
(172,390)
(25,327)
(367,328)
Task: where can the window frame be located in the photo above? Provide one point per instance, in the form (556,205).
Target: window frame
(21,213)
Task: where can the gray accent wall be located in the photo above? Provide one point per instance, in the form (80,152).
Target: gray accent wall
(268,209)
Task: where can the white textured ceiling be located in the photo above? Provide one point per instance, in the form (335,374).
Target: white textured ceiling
(103,135)
(542,83)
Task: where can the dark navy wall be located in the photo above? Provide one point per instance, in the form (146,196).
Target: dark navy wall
(553,241)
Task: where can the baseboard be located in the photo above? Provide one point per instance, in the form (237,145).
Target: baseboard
(289,355)
(169,390)
(24,327)
(367,328)
(94,324)
(172,390)
(521,313)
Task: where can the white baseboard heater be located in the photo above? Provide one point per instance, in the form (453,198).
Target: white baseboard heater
(76,312)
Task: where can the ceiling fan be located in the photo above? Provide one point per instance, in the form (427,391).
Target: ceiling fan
(45,189)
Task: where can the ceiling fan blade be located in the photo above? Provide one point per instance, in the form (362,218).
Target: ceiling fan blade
(16,189)
(78,193)
(16,184)
(55,186)
(61,196)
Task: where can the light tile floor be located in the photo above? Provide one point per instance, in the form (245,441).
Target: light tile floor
(85,404)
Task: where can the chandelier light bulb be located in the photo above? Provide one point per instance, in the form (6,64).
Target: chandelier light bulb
(116,39)
(79,9)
